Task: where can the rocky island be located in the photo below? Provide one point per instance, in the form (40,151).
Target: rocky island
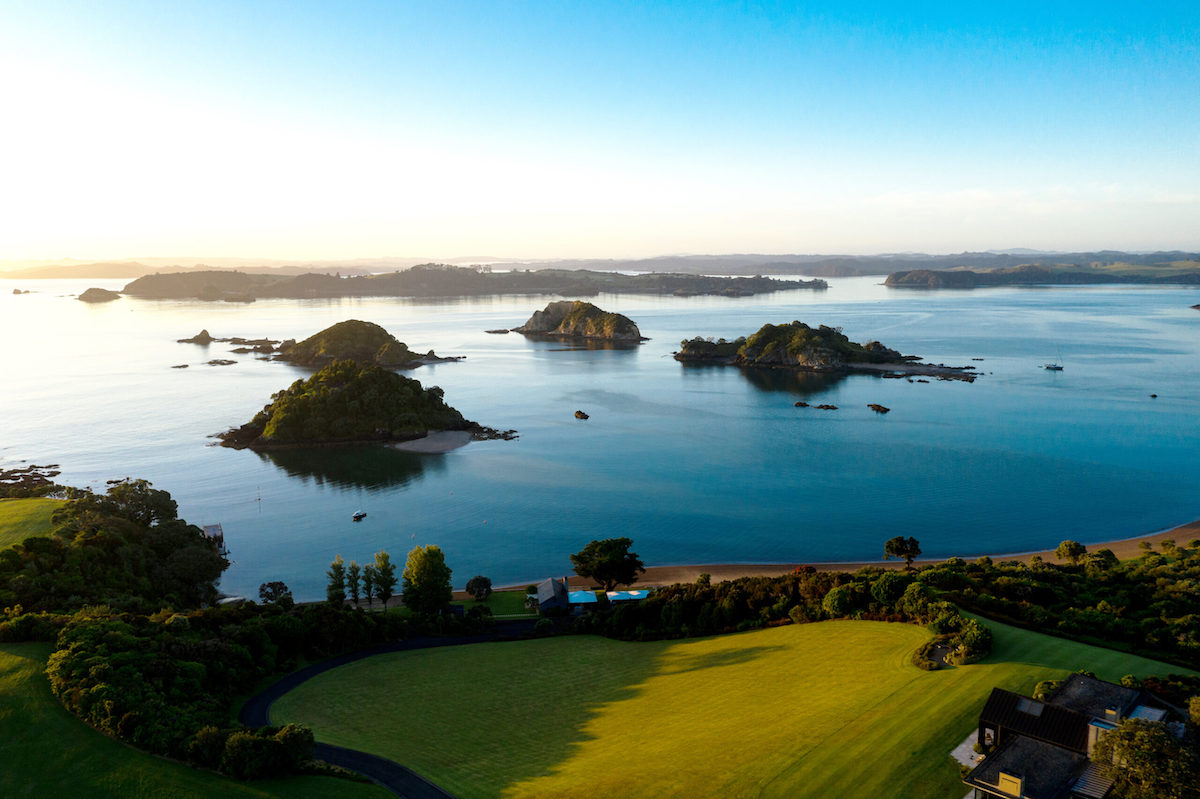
(350,403)
(799,347)
(441,280)
(365,342)
(98,295)
(577,319)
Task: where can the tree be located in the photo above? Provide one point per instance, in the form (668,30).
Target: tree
(1071,551)
(479,587)
(427,580)
(276,592)
(608,562)
(901,547)
(354,581)
(1145,761)
(369,578)
(385,577)
(335,590)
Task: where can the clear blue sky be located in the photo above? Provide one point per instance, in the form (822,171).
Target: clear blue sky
(327,130)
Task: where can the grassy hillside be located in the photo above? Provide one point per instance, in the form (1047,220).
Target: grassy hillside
(48,752)
(21,518)
(828,709)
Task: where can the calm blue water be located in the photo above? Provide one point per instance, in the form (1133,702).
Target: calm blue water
(695,464)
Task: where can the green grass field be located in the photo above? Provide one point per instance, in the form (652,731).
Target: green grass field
(829,709)
(21,518)
(45,751)
(501,603)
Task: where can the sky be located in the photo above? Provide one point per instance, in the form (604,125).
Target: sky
(302,130)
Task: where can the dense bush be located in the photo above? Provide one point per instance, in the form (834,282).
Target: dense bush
(806,595)
(1146,605)
(126,548)
(167,682)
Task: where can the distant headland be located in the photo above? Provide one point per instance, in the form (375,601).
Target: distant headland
(440,280)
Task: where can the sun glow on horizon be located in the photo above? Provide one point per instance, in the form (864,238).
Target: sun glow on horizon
(314,143)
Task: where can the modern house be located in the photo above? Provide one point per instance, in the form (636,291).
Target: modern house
(555,594)
(1042,749)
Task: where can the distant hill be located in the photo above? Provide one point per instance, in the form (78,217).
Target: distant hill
(442,280)
(1172,272)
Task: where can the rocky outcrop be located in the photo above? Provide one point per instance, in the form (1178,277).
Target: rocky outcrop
(202,337)
(578,319)
(580,415)
(98,295)
(878,408)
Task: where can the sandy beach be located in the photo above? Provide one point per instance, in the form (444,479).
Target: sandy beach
(668,575)
(437,441)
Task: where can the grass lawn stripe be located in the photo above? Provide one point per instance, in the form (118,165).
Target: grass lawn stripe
(45,751)
(829,709)
(22,518)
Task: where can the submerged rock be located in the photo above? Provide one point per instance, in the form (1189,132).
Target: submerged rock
(878,408)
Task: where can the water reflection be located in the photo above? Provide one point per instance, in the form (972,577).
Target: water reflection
(776,380)
(373,467)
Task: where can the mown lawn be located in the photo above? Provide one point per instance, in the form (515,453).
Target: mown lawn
(45,751)
(828,709)
(21,518)
(501,603)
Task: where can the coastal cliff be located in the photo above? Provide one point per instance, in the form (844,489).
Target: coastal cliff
(577,319)
(799,347)
(347,402)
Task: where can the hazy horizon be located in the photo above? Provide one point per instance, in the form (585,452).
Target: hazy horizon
(307,132)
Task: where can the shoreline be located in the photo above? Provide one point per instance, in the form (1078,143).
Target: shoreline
(1123,548)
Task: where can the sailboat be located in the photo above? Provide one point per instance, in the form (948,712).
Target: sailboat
(1054,366)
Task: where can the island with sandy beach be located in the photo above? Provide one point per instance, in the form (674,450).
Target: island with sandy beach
(351,403)
(798,347)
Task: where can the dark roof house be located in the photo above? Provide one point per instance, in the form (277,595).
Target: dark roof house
(1041,750)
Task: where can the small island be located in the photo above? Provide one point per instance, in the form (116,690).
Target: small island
(567,319)
(349,403)
(365,342)
(802,348)
(98,295)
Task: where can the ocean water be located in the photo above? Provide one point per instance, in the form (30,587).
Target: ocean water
(695,464)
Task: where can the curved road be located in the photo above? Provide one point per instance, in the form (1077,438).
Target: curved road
(256,712)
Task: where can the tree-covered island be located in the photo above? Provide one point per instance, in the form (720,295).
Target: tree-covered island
(347,402)
(365,342)
(821,349)
(577,319)
(441,280)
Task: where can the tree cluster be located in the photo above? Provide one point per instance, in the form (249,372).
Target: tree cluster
(1146,605)
(125,548)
